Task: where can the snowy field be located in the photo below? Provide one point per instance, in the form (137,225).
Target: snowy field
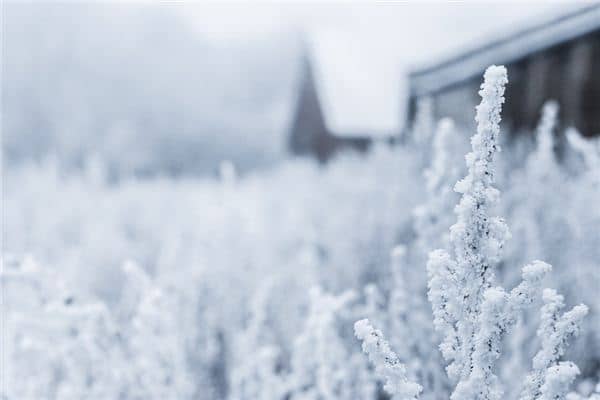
(250,286)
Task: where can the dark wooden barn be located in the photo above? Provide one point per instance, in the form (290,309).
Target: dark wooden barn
(309,135)
(557,59)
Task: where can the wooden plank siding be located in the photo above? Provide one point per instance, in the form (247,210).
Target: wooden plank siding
(568,71)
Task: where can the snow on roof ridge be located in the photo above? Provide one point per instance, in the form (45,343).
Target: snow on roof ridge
(588,18)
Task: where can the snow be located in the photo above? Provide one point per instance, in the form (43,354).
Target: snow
(247,286)
(386,362)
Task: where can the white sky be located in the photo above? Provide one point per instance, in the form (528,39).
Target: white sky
(362,48)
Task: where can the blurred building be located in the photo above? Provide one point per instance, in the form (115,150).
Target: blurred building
(555,59)
(309,134)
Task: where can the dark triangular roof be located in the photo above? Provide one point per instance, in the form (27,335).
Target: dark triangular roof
(308,122)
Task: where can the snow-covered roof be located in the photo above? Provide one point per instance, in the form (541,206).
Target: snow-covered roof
(358,86)
(537,36)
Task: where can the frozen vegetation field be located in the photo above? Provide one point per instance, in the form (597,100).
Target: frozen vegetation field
(410,272)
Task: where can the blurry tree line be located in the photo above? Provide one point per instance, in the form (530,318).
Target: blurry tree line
(140,89)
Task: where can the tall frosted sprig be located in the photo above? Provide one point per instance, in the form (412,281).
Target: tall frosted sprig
(399,305)
(254,368)
(386,362)
(412,334)
(545,129)
(542,163)
(443,295)
(457,283)
(319,357)
(424,121)
(434,216)
(477,237)
(441,164)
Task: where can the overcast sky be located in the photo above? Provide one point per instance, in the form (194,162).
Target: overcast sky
(361,49)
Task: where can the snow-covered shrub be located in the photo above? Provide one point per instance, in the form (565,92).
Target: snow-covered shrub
(387,364)
(471,312)
(81,349)
(154,342)
(548,210)
(424,123)
(589,149)
(466,305)
(206,246)
(409,319)
(534,195)
(434,217)
(593,395)
(58,344)
(414,337)
(550,379)
(254,372)
(221,308)
(320,359)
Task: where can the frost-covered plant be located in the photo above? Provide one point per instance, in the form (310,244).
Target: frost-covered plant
(424,121)
(558,379)
(589,150)
(543,159)
(58,345)
(550,378)
(156,347)
(386,362)
(434,217)
(550,217)
(400,305)
(258,378)
(458,285)
(431,222)
(471,312)
(422,130)
(211,242)
(227,172)
(595,395)
(414,338)
(441,169)
(580,276)
(497,314)
(319,361)
(533,204)
(409,319)
(535,194)
(374,306)
(208,246)
(254,372)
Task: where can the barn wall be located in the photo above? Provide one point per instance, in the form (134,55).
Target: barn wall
(568,73)
(590,99)
(458,103)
